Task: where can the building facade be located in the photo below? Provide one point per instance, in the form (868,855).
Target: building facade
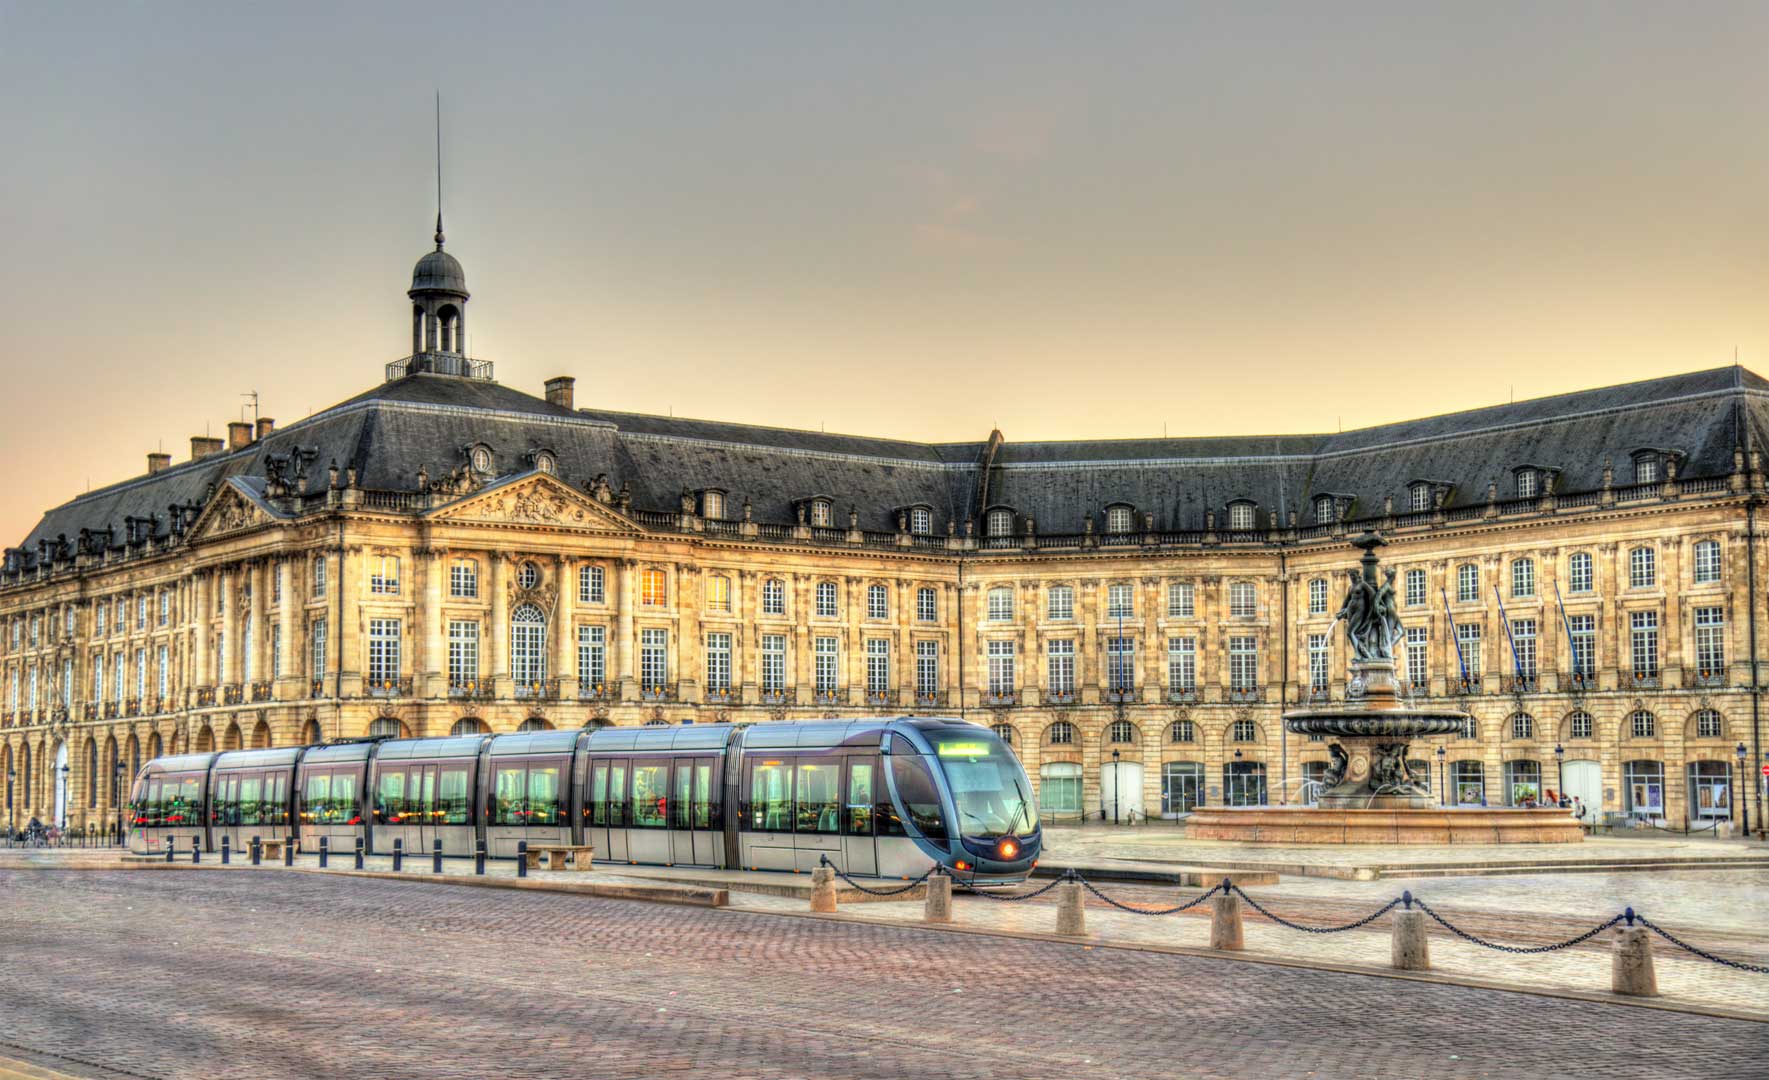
(445,554)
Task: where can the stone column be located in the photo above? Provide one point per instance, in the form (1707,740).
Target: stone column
(624,644)
(260,664)
(855,600)
(433,682)
(347,635)
(233,662)
(289,687)
(565,632)
(201,613)
(500,625)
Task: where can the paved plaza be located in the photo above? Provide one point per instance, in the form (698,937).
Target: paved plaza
(275,974)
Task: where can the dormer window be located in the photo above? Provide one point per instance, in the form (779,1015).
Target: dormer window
(1323,510)
(1240,516)
(999,522)
(921,520)
(480,458)
(712,504)
(1528,483)
(1419,498)
(1120,519)
(544,461)
(821,512)
(1646,469)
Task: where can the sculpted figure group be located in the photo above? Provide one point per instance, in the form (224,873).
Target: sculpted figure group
(1372,625)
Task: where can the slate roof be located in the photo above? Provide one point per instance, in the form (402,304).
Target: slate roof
(425,420)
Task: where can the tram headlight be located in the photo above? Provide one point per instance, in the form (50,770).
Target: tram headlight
(1009,849)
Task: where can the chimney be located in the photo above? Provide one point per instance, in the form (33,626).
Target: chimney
(158,462)
(559,390)
(265,426)
(239,434)
(201,446)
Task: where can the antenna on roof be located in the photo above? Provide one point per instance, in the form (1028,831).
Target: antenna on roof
(251,395)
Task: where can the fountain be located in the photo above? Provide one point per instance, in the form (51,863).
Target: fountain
(1370,795)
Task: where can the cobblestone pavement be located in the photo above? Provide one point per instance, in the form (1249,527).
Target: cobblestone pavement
(266,975)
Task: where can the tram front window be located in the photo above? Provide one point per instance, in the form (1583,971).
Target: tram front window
(990,791)
(920,797)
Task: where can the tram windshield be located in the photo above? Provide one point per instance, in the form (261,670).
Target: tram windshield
(988,787)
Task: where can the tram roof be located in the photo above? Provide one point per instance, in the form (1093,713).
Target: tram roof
(246,759)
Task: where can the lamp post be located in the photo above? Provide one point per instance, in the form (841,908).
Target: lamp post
(1443,791)
(117,793)
(1744,804)
(1559,773)
(63,823)
(11,829)
(1117,796)
(1237,775)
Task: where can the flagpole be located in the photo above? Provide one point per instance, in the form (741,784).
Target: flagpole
(1516,661)
(1455,640)
(1572,647)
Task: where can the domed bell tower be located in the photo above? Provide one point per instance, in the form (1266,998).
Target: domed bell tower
(439,310)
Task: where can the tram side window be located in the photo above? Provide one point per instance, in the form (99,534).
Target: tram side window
(546,802)
(147,805)
(679,809)
(818,798)
(223,805)
(316,799)
(507,795)
(390,798)
(250,809)
(706,797)
(345,809)
(770,797)
(183,803)
(617,795)
(650,795)
(598,808)
(276,799)
(453,803)
(860,797)
(915,787)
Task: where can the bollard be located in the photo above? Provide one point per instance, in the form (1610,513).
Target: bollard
(823,889)
(169,846)
(1071,916)
(436,856)
(1409,950)
(359,852)
(323,852)
(1630,964)
(196,849)
(479,857)
(257,851)
(398,856)
(226,849)
(1225,921)
(939,897)
(521,858)
(289,843)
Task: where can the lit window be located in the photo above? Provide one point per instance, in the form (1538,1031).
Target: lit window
(653,588)
(718,593)
(384,575)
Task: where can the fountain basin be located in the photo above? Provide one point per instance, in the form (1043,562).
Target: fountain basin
(1387,825)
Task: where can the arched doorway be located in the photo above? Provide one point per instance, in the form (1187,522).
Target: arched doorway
(1120,789)
(60,775)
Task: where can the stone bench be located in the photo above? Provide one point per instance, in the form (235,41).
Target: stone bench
(555,855)
(273,849)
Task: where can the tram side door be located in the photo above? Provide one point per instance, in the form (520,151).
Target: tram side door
(421,796)
(608,796)
(695,836)
(859,805)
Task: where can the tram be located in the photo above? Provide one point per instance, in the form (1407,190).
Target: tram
(881,798)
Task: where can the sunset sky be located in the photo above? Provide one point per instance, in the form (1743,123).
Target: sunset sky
(1076,221)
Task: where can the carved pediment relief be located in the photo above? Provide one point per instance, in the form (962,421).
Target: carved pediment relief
(534,500)
(230,511)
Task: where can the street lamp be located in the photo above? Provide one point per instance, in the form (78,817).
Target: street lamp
(1443,791)
(63,823)
(1117,795)
(1559,772)
(11,830)
(117,793)
(1744,804)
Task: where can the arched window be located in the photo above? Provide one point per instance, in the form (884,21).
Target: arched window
(1523,577)
(773,597)
(1709,725)
(528,646)
(1526,483)
(820,512)
(1121,731)
(878,602)
(1579,724)
(712,504)
(1642,568)
(467,726)
(534,723)
(1643,724)
(1467,582)
(1004,732)
(1182,731)
(1523,726)
(261,736)
(1244,731)
(385,728)
(657,722)
(309,737)
(999,523)
(1707,561)
(1000,604)
(1061,733)
(1120,519)
(921,521)
(24,772)
(1240,516)
(718,593)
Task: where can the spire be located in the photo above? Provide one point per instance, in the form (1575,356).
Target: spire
(439,170)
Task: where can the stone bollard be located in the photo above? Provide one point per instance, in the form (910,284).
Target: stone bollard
(1630,964)
(1071,917)
(289,843)
(196,849)
(521,858)
(1225,921)
(257,850)
(1410,951)
(939,898)
(324,850)
(359,852)
(398,855)
(479,857)
(823,890)
(436,857)
(226,850)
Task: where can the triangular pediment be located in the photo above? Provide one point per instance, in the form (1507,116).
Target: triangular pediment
(533,499)
(234,509)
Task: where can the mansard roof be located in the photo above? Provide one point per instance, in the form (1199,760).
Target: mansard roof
(429,421)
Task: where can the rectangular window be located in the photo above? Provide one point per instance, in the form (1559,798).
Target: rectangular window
(1523,639)
(1417,657)
(384,575)
(1710,641)
(140,674)
(1119,601)
(1121,663)
(774,597)
(319,576)
(164,660)
(654,657)
(1182,664)
(317,639)
(1523,578)
(1061,654)
(826,599)
(878,665)
(67,682)
(1243,600)
(119,677)
(1583,629)
(99,610)
(276,651)
(1467,583)
(926,609)
(383,652)
(773,662)
(1707,562)
(166,605)
(463,654)
(1243,663)
(1644,631)
(927,668)
(463,579)
(653,588)
(141,612)
(877,602)
(1317,596)
(1642,568)
(826,664)
(1180,600)
(1578,572)
(1468,643)
(718,662)
(592,585)
(1060,603)
(592,657)
(1001,667)
(98,677)
(1320,662)
(1000,604)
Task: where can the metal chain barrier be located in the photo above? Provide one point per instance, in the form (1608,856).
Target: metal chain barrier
(974,891)
(875,892)
(1520,949)
(1758,969)
(1281,921)
(1193,902)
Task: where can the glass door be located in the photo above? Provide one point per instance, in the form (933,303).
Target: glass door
(1182,787)
(858,846)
